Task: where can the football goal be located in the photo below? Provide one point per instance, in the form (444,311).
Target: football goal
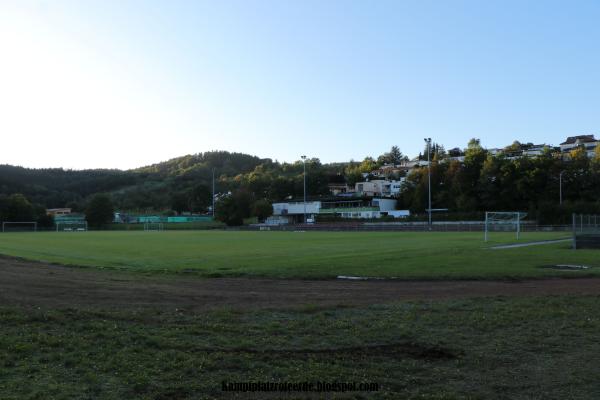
(154,226)
(72,226)
(503,222)
(29,226)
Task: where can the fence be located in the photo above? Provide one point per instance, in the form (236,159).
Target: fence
(586,231)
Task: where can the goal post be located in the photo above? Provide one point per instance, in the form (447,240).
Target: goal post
(503,221)
(72,226)
(154,226)
(19,226)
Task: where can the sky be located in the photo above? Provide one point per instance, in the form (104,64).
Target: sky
(122,84)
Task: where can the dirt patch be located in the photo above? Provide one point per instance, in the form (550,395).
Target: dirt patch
(392,350)
(52,286)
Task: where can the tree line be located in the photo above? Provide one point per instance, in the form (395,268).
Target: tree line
(246,185)
(486,182)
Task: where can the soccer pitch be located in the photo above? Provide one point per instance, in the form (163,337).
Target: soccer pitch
(404,255)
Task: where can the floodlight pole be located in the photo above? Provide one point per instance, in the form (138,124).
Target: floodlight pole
(485,235)
(304,162)
(560,187)
(213,194)
(428,141)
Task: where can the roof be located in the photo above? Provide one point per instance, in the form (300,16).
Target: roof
(581,138)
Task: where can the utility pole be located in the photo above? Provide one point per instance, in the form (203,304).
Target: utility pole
(304,162)
(428,141)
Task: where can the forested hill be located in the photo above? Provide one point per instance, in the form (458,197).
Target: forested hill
(481,181)
(55,187)
(201,165)
(182,183)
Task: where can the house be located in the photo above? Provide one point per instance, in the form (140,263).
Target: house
(589,142)
(379,187)
(389,170)
(534,150)
(338,188)
(58,211)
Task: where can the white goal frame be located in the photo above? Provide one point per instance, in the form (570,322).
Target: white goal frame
(72,226)
(504,218)
(154,226)
(20,223)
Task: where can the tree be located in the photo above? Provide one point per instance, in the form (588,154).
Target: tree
(394,156)
(200,198)
(514,147)
(262,209)
(16,208)
(100,211)
(179,202)
(42,218)
(232,209)
(367,165)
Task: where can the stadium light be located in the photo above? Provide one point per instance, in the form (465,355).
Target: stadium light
(213,193)
(560,186)
(428,141)
(304,162)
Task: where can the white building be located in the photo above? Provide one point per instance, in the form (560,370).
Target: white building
(535,151)
(589,142)
(379,187)
(361,209)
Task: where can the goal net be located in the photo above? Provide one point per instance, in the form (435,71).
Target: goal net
(154,226)
(28,226)
(72,226)
(503,222)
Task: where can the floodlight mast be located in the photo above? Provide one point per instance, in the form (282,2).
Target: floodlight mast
(428,141)
(213,194)
(485,235)
(304,162)
(560,187)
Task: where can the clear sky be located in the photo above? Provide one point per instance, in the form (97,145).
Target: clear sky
(120,84)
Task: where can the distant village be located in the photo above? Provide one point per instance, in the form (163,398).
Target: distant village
(374,197)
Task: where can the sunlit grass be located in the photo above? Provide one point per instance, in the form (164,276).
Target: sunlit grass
(408,255)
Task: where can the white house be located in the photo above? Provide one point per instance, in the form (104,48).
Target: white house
(589,142)
(379,187)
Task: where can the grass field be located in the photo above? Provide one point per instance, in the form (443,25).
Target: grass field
(410,255)
(527,347)
(534,348)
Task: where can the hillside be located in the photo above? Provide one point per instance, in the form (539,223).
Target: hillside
(480,181)
(183,182)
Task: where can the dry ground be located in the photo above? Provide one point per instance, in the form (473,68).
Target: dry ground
(29,283)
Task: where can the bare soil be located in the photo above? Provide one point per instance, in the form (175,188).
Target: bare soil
(37,284)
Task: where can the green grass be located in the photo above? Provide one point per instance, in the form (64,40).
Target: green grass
(527,348)
(421,255)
